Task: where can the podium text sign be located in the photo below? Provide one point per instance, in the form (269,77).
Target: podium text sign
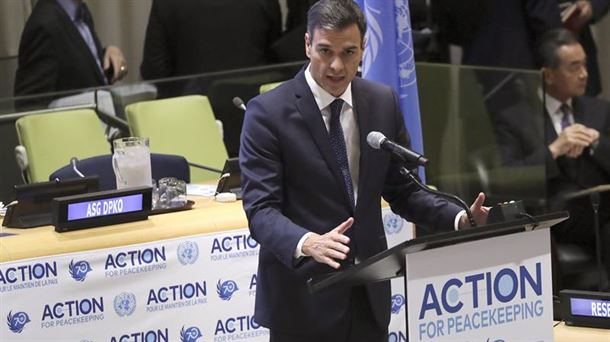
(494,289)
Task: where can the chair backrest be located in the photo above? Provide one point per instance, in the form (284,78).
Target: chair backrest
(52,139)
(183,126)
(269,86)
(162,165)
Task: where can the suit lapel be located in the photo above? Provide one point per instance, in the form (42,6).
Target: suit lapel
(362,110)
(76,37)
(549,130)
(308,108)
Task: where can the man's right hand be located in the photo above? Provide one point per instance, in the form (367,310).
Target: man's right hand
(329,247)
(572,141)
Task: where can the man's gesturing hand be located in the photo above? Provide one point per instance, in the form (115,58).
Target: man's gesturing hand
(329,247)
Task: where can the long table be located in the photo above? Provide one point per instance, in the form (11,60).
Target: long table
(208,216)
(208,220)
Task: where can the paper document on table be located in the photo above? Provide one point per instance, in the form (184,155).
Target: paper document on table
(200,190)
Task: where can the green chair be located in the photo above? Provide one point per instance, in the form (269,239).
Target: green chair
(184,126)
(51,140)
(269,86)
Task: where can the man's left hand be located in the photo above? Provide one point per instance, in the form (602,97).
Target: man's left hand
(479,213)
(114,57)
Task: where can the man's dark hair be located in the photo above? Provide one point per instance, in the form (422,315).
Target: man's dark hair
(335,15)
(550,42)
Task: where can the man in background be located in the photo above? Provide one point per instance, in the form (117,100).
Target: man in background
(572,139)
(187,37)
(60,51)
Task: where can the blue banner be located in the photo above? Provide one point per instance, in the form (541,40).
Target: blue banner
(389,58)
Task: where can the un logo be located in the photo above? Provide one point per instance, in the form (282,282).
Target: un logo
(190,335)
(188,252)
(392,223)
(17,322)
(79,269)
(226,290)
(125,304)
(398,301)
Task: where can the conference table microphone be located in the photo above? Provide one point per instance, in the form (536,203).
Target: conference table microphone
(239,103)
(73,162)
(379,141)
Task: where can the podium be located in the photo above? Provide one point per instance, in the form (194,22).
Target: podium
(467,282)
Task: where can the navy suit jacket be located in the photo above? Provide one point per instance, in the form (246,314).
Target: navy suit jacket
(292,185)
(53,56)
(523,137)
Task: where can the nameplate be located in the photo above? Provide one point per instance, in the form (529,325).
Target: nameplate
(101,208)
(586,308)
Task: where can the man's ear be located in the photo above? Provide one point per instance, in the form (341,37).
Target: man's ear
(307,45)
(547,76)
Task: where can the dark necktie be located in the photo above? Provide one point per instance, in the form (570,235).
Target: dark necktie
(337,142)
(83,14)
(565,119)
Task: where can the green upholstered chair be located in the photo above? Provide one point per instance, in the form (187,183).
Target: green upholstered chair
(51,140)
(269,86)
(183,126)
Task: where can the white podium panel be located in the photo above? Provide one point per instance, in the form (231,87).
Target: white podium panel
(497,289)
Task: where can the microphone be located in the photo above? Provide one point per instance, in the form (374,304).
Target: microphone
(73,161)
(379,141)
(239,103)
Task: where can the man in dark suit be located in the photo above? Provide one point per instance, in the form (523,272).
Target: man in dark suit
(587,13)
(572,138)
(60,51)
(312,186)
(186,37)
(496,33)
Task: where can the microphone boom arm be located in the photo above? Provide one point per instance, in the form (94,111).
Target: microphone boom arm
(404,171)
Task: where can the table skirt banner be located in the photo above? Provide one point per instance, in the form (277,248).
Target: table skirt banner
(196,288)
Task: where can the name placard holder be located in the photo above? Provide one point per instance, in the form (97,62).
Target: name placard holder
(101,208)
(586,308)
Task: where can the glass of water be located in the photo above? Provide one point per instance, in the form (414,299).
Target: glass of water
(131,162)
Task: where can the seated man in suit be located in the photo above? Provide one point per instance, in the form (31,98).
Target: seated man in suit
(60,51)
(312,186)
(572,139)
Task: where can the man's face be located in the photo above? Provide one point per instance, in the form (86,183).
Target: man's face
(334,57)
(569,79)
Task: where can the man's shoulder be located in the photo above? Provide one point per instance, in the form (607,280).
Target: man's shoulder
(370,87)
(520,109)
(589,102)
(280,91)
(46,14)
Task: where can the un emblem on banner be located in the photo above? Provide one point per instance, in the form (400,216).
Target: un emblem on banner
(398,301)
(392,223)
(190,335)
(17,322)
(79,269)
(226,289)
(125,304)
(188,252)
